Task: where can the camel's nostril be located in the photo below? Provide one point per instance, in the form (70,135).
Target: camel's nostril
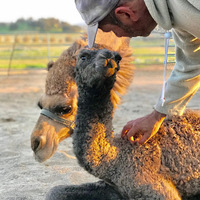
(35,143)
(112,67)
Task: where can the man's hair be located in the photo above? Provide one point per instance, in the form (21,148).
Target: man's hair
(111,17)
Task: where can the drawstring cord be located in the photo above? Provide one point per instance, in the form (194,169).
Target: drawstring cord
(167,37)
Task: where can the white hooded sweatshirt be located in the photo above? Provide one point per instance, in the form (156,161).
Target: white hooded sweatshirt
(183,17)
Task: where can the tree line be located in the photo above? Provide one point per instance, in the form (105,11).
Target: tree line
(41,25)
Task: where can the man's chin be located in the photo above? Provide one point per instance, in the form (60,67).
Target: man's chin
(127,33)
(146,35)
(134,34)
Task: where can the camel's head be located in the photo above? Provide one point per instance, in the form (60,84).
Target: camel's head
(59,103)
(56,122)
(58,106)
(96,69)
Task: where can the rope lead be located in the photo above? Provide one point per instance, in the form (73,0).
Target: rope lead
(168,35)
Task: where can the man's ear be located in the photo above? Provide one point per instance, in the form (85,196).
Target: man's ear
(126,15)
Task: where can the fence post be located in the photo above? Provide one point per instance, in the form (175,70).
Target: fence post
(48,47)
(11,55)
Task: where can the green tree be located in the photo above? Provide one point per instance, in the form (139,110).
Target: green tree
(13,26)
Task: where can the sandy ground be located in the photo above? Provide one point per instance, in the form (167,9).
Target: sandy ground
(21,177)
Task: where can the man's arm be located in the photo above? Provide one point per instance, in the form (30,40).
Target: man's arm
(180,87)
(184,80)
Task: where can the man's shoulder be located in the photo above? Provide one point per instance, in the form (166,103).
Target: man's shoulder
(186,16)
(195,3)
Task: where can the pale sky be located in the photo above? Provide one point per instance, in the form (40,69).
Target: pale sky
(64,10)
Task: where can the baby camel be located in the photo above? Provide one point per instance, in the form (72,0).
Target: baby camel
(166,168)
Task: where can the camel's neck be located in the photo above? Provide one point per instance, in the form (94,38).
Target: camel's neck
(93,129)
(95,103)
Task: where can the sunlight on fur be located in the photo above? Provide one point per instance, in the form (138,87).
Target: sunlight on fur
(168,184)
(100,149)
(55,135)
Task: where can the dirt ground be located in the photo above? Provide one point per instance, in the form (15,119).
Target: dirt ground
(21,177)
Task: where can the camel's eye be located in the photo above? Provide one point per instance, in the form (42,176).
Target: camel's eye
(60,110)
(83,58)
(66,110)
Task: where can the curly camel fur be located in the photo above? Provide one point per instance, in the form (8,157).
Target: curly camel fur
(167,167)
(61,92)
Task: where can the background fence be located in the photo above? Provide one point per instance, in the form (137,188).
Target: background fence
(151,50)
(32,50)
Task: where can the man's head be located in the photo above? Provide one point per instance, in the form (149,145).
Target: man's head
(92,12)
(129,18)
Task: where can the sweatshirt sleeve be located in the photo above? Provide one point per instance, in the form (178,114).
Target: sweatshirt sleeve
(184,80)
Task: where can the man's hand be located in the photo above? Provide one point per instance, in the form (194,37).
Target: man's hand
(145,126)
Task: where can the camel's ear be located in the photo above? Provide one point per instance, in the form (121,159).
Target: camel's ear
(50,65)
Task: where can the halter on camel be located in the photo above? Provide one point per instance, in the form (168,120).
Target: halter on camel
(58,119)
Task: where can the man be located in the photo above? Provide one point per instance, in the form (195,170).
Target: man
(132,18)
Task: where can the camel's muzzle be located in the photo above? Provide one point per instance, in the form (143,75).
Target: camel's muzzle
(112,67)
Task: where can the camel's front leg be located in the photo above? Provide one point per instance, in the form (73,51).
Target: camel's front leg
(90,191)
(152,186)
